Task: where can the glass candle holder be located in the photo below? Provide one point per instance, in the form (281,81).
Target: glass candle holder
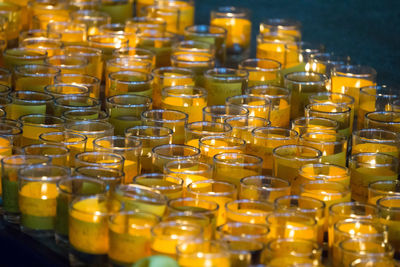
(58,154)
(29,102)
(71,33)
(23,56)
(237,23)
(243,165)
(125,110)
(90,129)
(72,102)
(389,208)
(94,57)
(203,252)
(88,81)
(219,192)
(302,85)
(10,166)
(348,79)
(243,126)
(32,33)
(382,188)
(266,139)
(196,130)
(186,10)
(160,43)
(130,231)
(67,190)
(37,198)
(224,82)
(144,23)
(262,71)
(119,10)
(35,124)
(273,46)
(308,206)
(385,120)
(12,131)
(169,14)
(188,99)
(41,21)
(326,191)
(132,82)
(298,55)
(136,53)
(128,147)
(167,235)
(245,252)
(167,77)
(280,103)
(324,62)
(173,119)
(219,113)
(190,217)
(258,106)
(75,115)
(93,19)
(374,262)
(126,63)
(14,14)
(293,251)
(49,45)
(76,143)
(288,159)
(375,141)
(68,64)
(6,77)
(169,186)
(111,177)
(197,63)
(100,159)
(353,249)
(90,212)
(193,47)
(107,43)
(150,136)
(304,125)
(292,225)
(209,209)
(340,113)
(63,89)
(263,188)
(248,211)
(189,171)
(214,35)
(281,25)
(34,77)
(165,153)
(333,146)
(241,230)
(370,167)
(213,145)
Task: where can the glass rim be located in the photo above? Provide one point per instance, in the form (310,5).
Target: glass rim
(260,98)
(188,59)
(311,222)
(63,150)
(296,121)
(39,53)
(144,52)
(85,99)
(353,160)
(339,138)
(243,65)
(168,165)
(59,121)
(176,186)
(234,74)
(190,30)
(237,142)
(339,206)
(234,224)
(233,188)
(388,248)
(78,158)
(48,88)
(262,187)
(201,92)
(350,98)
(230,12)
(182,114)
(69,114)
(181,226)
(134,145)
(23,173)
(356,221)
(129,213)
(344,70)
(383,192)
(345,108)
(322,77)
(240,202)
(217,158)
(282,23)
(211,111)
(17,94)
(147,101)
(185,73)
(391,113)
(62,189)
(265,122)
(141,193)
(119,175)
(287,93)
(364,90)
(290,132)
(19,70)
(321,204)
(85,76)
(82,61)
(297,158)
(96,39)
(380,203)
(316,247)
(341,193)
(190,199)
(195,150)
(168,131)
(131,61)
(358,134)
(101,197)
(189,129)
(76,142)
(87,49)
(5,160)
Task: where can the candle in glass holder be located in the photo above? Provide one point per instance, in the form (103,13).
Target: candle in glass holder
(214,35)
(58,154)
(385,120)
(135,53)
(128,147)
(125,110)
(265,139)
(37,197)
(302,85)
(173,119)
(186,12)
(324,62)
(193,47)
(298,55)
(62,89)
(49,45)
(262,71)
(224,82)
(71,33)
(73,102)
(219,113)
(196,130)
(333,146)
(213,145)
(130,231)
(90,129)
(22,56)
(34,77)
(111,177)
(107,43)
(257,106)
(169,14)
(165,153)
(348,79)
(281,25)
(280,103)
(248,211)
(382,188)
(129,82)
(389,209)
(93,19)
(304,125)
(119,10)
(369,167)
(35,124)
(263,188)
(237,23)
(192,218)
(231,167)
(169,186)
(29,102)
(198,63)
(100,159)
(88,81)
(243,230)
(243,126)
(188,99)
(94,57)
(218,191)
(202,253)
(144,23)
(375,141)
(151,136)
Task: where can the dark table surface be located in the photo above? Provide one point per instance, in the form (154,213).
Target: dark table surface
(366,30)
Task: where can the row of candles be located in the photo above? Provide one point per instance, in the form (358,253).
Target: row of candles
(123,141)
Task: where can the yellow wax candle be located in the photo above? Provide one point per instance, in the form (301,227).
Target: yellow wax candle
(239,30)
(272,50)
(194,107)
(37,203)
(332,173)
(280,114)
(130,170)
(214,147)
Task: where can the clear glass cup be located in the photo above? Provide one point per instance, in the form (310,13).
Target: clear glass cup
(382,188)
(23,56)
(370,167)
(196,130)
(258,106)
(111,177)
(304,125)
(213,145)
(100,159)
(243,126)
(71,33)
(51,46)
(76,115)
(151,136)
(64,89)
(29,102)
(190,217)
(234,230)
(385,120)
(324,62)
(231,167)
(192,46)
(93,19)
(169,186)
(59,154)
(90,82)
(34,77)
(94,57)
(201,253)
(262,71)
(143,23)
(263,188)
(170,14)
(375,141)
(90,129)
(163,154)
(389,208)
(281,25)
(219,113)
(71,102)
(68,63)
(248,211)
(129,82)
(107,43)
(197,63)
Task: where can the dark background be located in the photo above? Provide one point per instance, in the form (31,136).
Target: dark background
(366,30)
